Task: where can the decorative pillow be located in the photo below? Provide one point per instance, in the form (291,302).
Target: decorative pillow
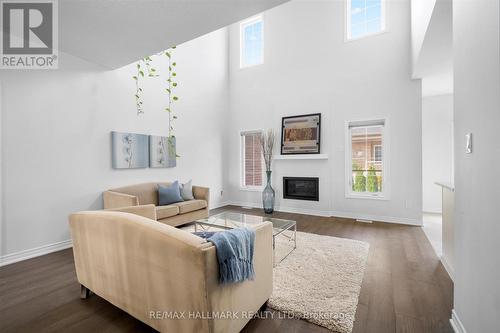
(169,194)
(187,190)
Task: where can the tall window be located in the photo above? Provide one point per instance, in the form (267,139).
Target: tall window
(364,18)
(252,42)
(251,160)
(366,159)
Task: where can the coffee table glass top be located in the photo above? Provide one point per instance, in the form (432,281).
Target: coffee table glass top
(231,219)
(286,229)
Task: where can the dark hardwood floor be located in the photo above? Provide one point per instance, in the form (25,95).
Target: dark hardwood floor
(405,288)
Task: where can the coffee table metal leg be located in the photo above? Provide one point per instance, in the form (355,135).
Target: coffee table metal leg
(294,237)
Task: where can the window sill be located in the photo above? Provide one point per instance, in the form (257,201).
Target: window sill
(243,67)
(252,189)
(366,196)
(373,34)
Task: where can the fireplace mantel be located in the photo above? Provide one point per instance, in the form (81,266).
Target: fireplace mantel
(301,157)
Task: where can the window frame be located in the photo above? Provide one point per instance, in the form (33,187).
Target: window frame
(375,153)
(243,185)
(243,25)
(347,18)
(386,183)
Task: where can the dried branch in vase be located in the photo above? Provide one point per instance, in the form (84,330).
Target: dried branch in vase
(267,143)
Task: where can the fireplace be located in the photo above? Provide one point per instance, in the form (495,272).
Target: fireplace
(301,188)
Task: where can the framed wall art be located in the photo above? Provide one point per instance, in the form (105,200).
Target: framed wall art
(129,150)
(301,134)
(162,153)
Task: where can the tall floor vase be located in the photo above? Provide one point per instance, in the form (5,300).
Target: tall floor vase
(268,195)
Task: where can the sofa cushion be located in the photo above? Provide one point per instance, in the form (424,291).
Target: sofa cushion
(169,194)
(163,212)
(190,206)
(187,190)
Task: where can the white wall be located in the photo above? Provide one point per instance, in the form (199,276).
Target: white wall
(309,68)
(476,26)
(437,149)
(56,136)
(421,13)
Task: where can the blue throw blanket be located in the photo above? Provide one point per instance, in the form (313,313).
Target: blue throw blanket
(235,254)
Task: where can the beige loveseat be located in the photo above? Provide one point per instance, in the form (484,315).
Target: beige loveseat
(164,276)
(147,193)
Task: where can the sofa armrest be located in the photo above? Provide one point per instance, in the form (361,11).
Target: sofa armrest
(243,297)
(148,211)
(202,193)
(117,200)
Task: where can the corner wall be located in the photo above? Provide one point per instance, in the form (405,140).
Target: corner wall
(309,68)
(476,31)
(56,138)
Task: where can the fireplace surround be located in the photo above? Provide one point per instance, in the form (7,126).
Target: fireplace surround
(301,188)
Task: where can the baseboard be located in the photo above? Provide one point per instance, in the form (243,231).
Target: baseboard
(35,252)
(377,218)
(304,211)
(448,268)
(437,212)
(283,209)
(456,324)
(219,205)
(315,212)
(243,204)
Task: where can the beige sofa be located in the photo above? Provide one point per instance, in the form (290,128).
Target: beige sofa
(164,276)
(145,194)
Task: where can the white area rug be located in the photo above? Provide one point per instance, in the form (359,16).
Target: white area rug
(320,280)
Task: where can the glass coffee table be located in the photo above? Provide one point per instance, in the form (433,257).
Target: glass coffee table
(230,220)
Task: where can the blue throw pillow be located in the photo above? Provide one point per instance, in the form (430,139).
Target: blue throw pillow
(169,194)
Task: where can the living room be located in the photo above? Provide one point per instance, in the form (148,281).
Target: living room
(193,88)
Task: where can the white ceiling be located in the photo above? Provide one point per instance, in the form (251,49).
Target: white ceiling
(114,33)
